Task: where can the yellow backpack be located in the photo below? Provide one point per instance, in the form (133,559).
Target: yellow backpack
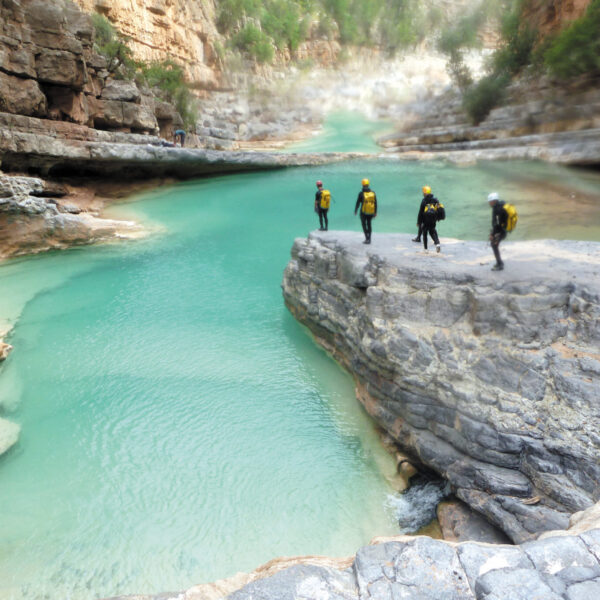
(325,199)
(513,217)
(368,205)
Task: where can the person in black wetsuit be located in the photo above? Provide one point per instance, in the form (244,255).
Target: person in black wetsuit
(322,200)
(433,212)
(427,198)
(367,202)
(499,224)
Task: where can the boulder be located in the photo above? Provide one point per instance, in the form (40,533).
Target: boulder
(108,114)
(9,435)
(139,118)
(61,68)
(17,60)
(21,96)
(117,89)
(460,523)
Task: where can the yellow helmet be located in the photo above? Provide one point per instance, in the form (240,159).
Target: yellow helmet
(365,182)
(426,190)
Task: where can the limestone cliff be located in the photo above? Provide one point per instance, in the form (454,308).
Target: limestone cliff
(492,381)
(49,69)
(183,30)
(550,16)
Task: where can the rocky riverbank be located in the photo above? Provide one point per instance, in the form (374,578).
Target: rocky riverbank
(561,565)
(539,120)
(490,379)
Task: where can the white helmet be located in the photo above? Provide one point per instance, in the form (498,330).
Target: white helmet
(493,196)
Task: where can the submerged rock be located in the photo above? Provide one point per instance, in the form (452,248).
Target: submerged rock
(490,379)
(9,435)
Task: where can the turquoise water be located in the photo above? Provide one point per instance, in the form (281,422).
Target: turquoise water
(344,132)
(178,425)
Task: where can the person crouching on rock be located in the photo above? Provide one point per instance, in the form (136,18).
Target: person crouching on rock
(504,219)
(367,201)
(322,202)
(433,211)
(427,198)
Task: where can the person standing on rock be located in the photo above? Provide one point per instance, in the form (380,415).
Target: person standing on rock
(428,197)
(433,212)
(367,202)
(322,202)
(504,219)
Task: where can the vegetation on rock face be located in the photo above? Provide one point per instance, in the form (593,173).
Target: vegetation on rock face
(258,28)
(576,50)
(573,52)
(514,54)
(113,46)
(167,77)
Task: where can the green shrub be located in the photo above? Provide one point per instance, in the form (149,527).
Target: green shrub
(576,50)
(254,42)
(481,97)
(169,78)
(230,13)
(113,46)
(517,51)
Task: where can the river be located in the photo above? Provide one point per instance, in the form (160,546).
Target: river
(178,425)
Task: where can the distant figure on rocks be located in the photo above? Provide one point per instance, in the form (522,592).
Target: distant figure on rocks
(322,202)
(180,137)
(504,219)
(433,211)
(427,198)
(367,201)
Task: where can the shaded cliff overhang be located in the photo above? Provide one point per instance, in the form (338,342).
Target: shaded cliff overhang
(491,379)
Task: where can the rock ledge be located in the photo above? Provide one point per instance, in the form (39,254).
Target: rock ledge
(490,379)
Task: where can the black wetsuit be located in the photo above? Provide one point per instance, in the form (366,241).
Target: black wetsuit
(365,219)
(322,212)
(428,221)
(426,200)
(498,233)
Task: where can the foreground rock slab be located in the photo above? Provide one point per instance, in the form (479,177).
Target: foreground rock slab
(562,566)
(491,379)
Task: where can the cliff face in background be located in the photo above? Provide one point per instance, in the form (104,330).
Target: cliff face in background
(183,30)
(492,381)
(550,16)
(49,69)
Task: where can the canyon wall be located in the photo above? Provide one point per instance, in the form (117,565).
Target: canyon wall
(550,16)
(489,379)
(183,30)
(49,69)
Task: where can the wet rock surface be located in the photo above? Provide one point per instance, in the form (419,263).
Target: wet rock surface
(33,219)
(490,379)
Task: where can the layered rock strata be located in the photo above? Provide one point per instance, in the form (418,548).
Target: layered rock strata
(183,30)
(490,379)
(564,565)
(55,149)
(32,219)
(49,69)
(540,119)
